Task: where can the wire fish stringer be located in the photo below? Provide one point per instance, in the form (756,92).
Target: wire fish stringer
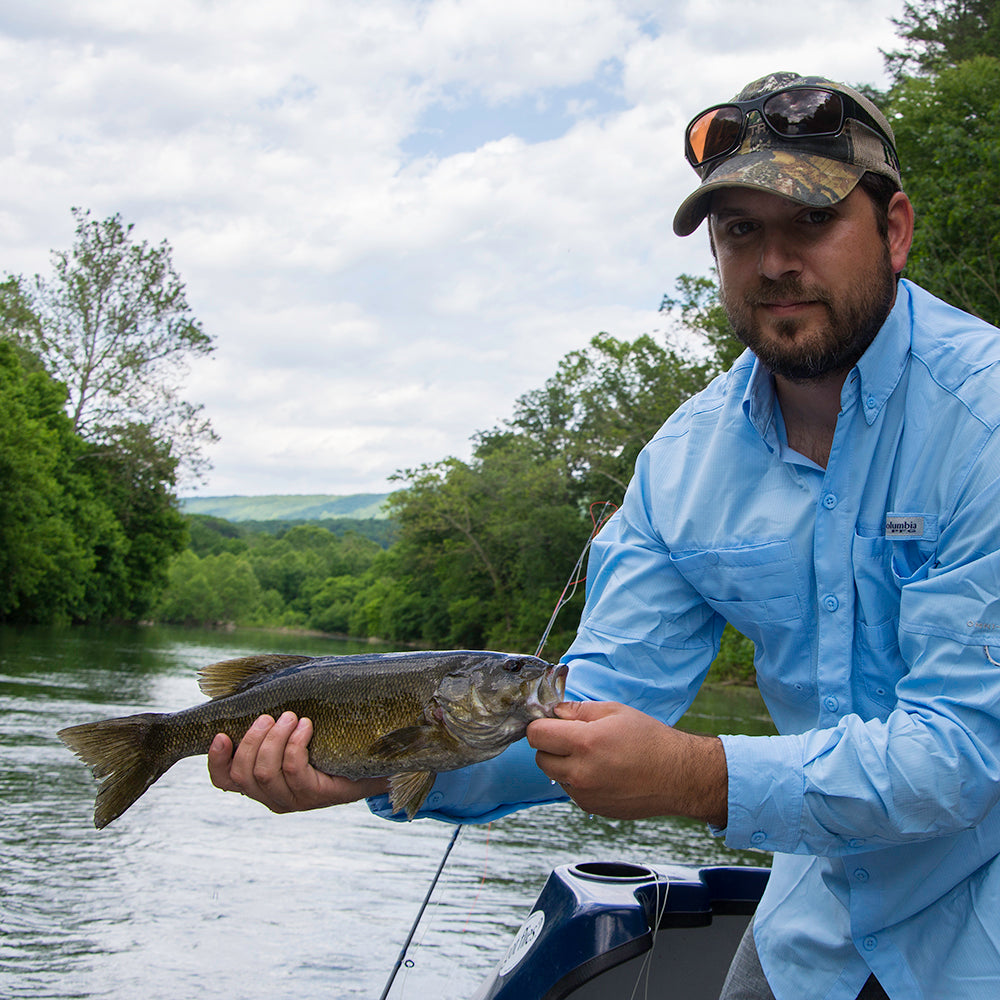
(600,512)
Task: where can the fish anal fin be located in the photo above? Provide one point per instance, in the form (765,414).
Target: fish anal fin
(226,677)
(408,790)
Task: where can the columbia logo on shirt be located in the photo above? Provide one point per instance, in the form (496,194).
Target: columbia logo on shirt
(904,526)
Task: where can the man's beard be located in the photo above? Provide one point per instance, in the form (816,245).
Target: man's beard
(836,347)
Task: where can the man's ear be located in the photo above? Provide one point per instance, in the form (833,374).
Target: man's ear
(901,216)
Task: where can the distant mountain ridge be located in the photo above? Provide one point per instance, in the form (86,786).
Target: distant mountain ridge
(288,508)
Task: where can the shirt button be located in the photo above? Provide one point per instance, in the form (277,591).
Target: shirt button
(870,943)
(758,838)
(855,842)
(830,501)
(861,874)
(712,558)
(870,402)
(830,602)
(434,799)
(831,704)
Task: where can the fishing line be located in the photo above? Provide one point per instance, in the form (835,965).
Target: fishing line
(607,508)
(646,969)
(482,881)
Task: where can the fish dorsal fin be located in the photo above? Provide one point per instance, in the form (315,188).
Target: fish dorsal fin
(408,790)
(218,680)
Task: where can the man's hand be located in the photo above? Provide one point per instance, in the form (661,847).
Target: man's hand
(271,765)
(617,761)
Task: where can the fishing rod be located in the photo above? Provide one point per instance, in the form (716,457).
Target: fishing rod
(607,508)
(423,906)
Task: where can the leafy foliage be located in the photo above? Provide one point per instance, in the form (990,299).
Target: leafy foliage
(940,35)
(948,132)
(84,536)
(231,575)
(113,324)
(94,430)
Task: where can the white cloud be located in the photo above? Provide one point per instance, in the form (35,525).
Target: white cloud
(394,216)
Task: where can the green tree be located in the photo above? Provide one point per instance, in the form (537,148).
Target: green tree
(699,315)
(947,129)
(136,482)
(107,336)
(489,532)
(113,324)
(217,589)
(606,401)
(56,534)
(939,35)
(18,321)
(601,407)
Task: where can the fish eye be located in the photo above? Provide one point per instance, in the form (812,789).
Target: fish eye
(514,667)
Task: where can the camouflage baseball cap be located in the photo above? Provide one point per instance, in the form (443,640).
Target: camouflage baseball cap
(814,170)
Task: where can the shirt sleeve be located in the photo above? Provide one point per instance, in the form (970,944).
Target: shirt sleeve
(647,638)
(483,792)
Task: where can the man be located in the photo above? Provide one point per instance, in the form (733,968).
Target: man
(836,497)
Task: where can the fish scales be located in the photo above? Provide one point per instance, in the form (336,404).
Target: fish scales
(402,715)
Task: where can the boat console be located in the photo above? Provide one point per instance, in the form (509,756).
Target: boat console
(610,929)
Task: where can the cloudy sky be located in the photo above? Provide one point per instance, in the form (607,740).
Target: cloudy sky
(393,216)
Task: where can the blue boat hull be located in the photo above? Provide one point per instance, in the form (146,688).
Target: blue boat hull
(602,930)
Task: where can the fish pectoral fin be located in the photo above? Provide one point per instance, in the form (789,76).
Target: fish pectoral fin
(218,680)
(409,739)
(408,790)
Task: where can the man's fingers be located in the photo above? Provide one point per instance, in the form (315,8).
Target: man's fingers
(554,736)
(567,733)
(587,711)
(220,757)
(268,765)
(244,759)
(271,765)
(295,764)
(255,768)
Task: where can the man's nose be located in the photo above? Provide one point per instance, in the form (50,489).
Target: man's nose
(779,257)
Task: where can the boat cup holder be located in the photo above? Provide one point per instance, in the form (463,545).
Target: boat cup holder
(620,872)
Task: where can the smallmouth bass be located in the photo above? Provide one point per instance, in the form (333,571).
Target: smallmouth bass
(402,715)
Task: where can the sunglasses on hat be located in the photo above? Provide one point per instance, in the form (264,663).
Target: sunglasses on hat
(802,112)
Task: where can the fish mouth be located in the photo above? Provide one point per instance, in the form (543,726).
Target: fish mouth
(559,679)
(550,690)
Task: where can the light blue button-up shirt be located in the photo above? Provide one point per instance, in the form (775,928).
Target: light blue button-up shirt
(871,591)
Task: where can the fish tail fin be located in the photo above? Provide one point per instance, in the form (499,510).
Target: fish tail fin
(124,754)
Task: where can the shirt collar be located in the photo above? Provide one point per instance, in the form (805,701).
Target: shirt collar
(872,380)
(759,403)
(882,365)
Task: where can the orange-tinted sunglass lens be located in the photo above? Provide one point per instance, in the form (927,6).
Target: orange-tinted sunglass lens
(715,132)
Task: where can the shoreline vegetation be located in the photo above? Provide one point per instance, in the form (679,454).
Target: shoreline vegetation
(723,673)
(308,579)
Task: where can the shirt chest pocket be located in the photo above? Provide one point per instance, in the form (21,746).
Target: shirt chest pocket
(754,582)
(757,589)
(882,567)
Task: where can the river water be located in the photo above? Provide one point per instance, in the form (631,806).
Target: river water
(195,893)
